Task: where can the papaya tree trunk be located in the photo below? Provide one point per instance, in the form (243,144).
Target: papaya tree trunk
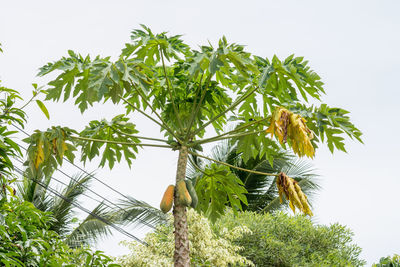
(181,255)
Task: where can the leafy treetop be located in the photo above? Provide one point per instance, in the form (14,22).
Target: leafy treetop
(184,91)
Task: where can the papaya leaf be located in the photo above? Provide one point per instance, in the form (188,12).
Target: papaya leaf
(217,187)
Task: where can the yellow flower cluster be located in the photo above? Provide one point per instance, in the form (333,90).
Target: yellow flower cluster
(292,191)
(287,125)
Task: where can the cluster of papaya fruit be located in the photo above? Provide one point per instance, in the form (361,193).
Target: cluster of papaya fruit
(185,193)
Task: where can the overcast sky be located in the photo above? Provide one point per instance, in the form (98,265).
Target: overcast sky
(352,45)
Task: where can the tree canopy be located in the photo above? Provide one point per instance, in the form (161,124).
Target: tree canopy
(184,91)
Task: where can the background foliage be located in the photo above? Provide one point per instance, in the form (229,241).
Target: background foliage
(27,241)
(282,240)
(206,247)
(388,261)
(25,235)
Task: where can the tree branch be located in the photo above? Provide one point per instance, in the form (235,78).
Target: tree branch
(237,102)
(118,142)
(151,118)
(196,166)
(139,137)
(231,166)
(192,115)
(170,90)
(221,137)
(165,125)
(242,127)
(29,101)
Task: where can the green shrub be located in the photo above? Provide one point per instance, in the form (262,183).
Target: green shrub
(206,247)
(25,239)
(388,261)
(283,240)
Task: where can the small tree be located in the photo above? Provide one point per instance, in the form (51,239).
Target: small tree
(26,237)
(208,248)
(277,239)
(187,90)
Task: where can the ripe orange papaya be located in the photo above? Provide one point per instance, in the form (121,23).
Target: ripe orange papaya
(168,199)
(184,197)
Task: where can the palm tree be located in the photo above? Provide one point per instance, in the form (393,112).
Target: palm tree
(132,212)
(63,209)
(262,193)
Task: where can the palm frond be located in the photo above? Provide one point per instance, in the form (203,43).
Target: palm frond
(91,228)
(138,213)
(62,208)
(29,190)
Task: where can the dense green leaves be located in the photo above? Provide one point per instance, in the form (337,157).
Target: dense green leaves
(282,240)
(47,149)
(388,261)
(26,240)
(280,79)
(119,129)
(217,187)
(254,142)
(206,247)
(147,46)
(92,80)
(9,114)
(186,89)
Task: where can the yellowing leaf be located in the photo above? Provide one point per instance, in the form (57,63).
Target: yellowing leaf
(279,123)
(300,136)
(286,125)
(56,151)
(292,191)
(39,156)
(64,148)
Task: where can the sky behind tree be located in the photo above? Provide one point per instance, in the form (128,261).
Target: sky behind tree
(352,45)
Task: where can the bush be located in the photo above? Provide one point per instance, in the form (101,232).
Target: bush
(388,261)
(283,240)
(25,239)
(206,247)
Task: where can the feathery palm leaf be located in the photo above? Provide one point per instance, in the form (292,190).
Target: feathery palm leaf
(132,212)
(30,191)
(91,228)
(62,209)
(138,213)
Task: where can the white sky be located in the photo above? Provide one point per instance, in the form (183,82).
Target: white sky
(353,45)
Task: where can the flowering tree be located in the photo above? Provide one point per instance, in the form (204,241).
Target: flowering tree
(207,247)
(186,91)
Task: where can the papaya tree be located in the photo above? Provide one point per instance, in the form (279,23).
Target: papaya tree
(187,91)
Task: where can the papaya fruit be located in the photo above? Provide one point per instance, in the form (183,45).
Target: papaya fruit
(192,192)
(168,199)
(183,195)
